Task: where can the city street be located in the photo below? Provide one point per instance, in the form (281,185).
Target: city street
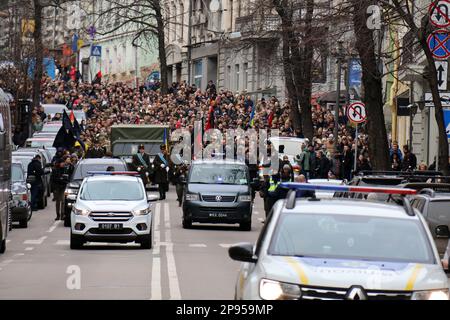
(183,264)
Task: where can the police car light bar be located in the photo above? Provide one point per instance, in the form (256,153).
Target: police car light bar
(343,188)
(113,173)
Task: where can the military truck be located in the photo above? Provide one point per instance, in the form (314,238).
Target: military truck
(126,139)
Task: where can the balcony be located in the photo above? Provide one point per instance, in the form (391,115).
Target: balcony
(257,26)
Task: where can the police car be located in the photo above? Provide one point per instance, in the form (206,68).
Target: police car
(338,249)
(112,207)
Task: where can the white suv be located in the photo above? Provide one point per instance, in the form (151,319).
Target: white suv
(339,249)
(112,207)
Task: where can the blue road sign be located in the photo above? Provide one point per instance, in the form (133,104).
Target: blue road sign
(447,122)
(439,44)
(96,51)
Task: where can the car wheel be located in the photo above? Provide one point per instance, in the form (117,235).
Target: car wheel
(246,226)
(75,242)
(3,246)
(23,223)
(147,241)
(187,223)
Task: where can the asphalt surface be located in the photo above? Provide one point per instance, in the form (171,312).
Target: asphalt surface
(183,264)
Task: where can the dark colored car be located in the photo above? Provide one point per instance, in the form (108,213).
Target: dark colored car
(21,198)
(81,171)
(218,192)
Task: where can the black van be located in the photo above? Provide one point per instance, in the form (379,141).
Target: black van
(5,168)
(218,191)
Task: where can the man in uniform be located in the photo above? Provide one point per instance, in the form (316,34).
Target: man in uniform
(161,168)
(35,169)
(141,163)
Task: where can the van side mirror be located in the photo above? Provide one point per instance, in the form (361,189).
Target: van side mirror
(442,231)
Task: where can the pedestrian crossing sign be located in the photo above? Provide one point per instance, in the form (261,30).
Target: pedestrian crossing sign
(96,51)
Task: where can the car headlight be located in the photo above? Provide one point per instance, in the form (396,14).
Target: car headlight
(275,290)
(191,197)
(245,198)
(431,295)
(70,191)
(81,212)
(142,212)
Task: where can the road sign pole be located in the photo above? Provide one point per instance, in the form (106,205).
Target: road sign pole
(356,150)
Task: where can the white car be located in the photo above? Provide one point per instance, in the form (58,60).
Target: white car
(341,249)
(112,207)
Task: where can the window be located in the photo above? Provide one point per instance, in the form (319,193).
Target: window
(245,80)
(236,70)
(198,71)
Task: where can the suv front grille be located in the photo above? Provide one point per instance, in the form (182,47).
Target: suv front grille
(212,198)
(322,293)
(111,216)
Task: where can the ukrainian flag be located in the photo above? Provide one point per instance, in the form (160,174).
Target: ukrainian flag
(165,139)
(252,115)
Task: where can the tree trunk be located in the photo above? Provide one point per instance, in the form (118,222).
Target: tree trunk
(38,53)
(373,90)
(161,47)
(304,80)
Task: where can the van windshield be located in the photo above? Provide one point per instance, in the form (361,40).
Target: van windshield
(218,174)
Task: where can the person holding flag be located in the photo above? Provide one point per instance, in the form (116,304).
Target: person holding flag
(69,132)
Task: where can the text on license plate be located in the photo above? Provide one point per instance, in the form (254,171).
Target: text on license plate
(217,215)
(110,226)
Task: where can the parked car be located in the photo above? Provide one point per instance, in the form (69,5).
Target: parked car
(51,127)
(52,109)
(25,159)
(21,197)
(46,162)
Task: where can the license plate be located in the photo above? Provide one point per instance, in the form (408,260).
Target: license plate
(217,215)
(110,226)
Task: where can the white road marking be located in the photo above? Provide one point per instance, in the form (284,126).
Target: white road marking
(225,245)
(38,241)
(63,242)
(19,254)
(156,293)
(261,219)
(156,230)
(255,212)
(8,241)
(174,286)
(29,248)
(197,245)
(53,227)
(4,263)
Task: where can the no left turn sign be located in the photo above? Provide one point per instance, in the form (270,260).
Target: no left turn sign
(356,112)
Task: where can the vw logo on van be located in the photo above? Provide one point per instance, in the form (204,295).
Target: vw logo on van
(218,198)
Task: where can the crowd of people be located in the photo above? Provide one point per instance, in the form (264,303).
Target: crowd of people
(106,104)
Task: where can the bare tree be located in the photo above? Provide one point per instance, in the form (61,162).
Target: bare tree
(407,11)
(146,18)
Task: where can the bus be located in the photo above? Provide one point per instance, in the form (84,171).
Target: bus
(5,167)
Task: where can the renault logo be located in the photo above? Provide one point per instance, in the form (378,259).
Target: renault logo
(356,293)
(218,198)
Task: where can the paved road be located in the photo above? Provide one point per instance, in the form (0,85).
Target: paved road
(184,264)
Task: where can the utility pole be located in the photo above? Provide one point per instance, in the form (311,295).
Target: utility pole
(340,57)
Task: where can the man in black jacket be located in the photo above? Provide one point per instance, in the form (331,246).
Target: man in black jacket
(35,169)
(96,151)
(161,166)
(322,166)
(141,163)
(59,178)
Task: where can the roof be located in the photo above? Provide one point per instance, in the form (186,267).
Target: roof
(349,207)
(101,161)
(219,161)
(114,178)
